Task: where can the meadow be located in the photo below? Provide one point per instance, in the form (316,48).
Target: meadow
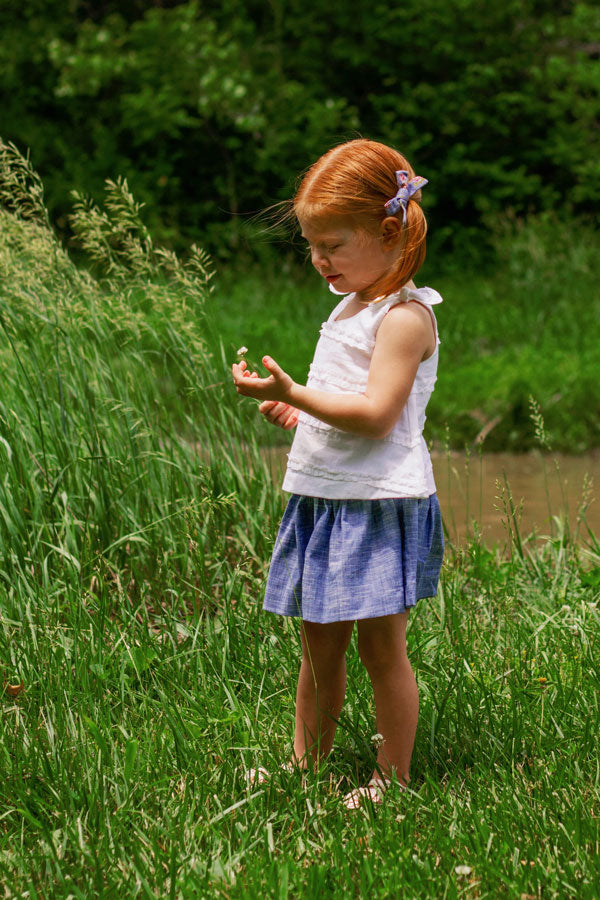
(141,678)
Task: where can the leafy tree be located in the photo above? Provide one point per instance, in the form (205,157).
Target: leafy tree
(211,109)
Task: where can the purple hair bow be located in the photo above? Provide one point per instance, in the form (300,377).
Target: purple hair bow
(406,188)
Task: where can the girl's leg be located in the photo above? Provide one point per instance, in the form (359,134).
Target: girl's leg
(321,688)
(382,648)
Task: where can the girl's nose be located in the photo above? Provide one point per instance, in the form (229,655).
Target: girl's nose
(317,257)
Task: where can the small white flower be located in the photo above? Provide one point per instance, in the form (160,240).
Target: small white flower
(377,740)
(242,351)
(463,870)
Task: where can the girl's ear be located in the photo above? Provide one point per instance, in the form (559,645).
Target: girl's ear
(391,232)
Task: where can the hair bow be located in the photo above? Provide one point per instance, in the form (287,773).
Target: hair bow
(406,188)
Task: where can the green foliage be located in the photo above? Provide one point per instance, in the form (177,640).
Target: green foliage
(21,188)
(124,755)
(211,110)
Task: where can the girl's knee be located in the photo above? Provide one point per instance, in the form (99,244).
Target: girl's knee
(327,642)
(382,648)
(379,659)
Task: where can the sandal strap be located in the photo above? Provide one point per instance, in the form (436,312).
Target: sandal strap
(374,790)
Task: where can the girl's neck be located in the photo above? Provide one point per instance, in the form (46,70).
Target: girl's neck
(409,284)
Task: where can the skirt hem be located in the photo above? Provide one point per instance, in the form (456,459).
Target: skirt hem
(354,617)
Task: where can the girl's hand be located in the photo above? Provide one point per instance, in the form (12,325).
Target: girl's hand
(281,414)
(276,387)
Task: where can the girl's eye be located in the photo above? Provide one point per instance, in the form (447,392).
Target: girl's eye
(333,249)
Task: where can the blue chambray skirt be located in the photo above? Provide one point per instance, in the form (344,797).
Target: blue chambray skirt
(338,560)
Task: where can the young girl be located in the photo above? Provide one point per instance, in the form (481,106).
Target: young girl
(361,537)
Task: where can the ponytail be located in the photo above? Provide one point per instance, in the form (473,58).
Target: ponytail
(412,257)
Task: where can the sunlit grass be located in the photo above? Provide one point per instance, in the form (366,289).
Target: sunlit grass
(124,756)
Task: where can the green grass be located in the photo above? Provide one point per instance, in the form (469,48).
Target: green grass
(123,760)
(136,521)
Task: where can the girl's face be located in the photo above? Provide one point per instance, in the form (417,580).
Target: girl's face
(349,259)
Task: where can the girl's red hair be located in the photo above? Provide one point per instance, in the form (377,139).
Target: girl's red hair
(352,182)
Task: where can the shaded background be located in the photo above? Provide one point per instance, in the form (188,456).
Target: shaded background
(211,109)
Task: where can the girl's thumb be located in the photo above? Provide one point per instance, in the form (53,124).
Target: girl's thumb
(271,365)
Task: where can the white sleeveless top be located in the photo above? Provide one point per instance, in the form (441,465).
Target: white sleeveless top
(326,462)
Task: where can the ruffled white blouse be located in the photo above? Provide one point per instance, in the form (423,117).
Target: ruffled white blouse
(326,462)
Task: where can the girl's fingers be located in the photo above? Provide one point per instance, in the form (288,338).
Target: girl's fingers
(242,368)
(275,410)
(278,413)
(283,415)
(291,421)
(237,370)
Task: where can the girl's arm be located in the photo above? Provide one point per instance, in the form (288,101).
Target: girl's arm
(403,340)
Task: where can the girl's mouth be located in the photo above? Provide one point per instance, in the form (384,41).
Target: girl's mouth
(332,278)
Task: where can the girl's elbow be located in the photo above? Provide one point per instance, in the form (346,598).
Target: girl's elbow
(383,431)
(377,429)
(382,427)
(379,420)
(367,428)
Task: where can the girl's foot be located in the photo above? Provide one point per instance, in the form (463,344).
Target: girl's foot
(373,791)
(257,776)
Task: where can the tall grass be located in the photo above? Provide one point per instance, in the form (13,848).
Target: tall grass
(98,381)
(141,678)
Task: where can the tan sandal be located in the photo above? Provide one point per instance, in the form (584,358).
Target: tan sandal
(374,791)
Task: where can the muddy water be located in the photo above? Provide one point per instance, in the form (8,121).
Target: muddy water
(475,489)
(470,490)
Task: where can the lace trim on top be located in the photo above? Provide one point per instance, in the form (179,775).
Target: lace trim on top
(342,337)
(411,480)
(325,380)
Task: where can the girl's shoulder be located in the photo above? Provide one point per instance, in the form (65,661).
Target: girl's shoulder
(410,315)
(426,295)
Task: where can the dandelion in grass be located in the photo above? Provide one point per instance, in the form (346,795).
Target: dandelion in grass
(377,740)
(242,352)
(463,870)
